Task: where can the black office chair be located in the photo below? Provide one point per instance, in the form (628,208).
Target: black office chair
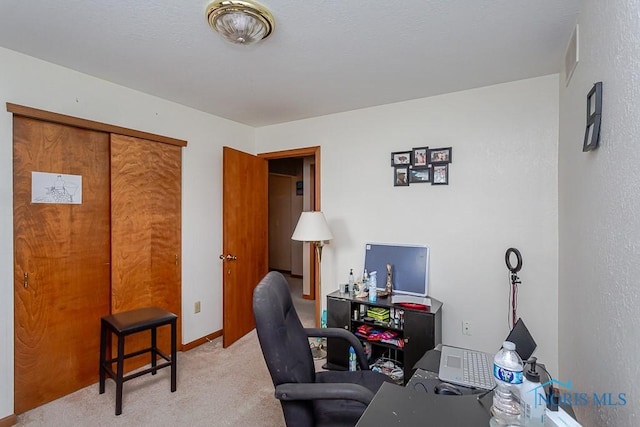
(308,398)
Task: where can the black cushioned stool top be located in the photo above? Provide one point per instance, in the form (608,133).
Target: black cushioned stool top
(141,319)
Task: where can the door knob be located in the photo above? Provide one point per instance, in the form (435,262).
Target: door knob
(229,257)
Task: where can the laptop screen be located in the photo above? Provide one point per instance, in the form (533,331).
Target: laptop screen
(520,336)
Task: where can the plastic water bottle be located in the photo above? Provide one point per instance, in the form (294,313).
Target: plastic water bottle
(373,286)
(532,404)
(352,359)
(507,370)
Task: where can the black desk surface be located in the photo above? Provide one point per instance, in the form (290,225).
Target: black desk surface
(417,404)
(396,405)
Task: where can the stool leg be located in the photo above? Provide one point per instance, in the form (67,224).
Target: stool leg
(173,356)
(154,348)
(103,355)
(119,374)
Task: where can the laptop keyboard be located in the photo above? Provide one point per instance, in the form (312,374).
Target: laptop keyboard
(477,370)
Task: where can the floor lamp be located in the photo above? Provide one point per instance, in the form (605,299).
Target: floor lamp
(312,227)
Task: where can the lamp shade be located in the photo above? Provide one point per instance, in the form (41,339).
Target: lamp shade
(312,227)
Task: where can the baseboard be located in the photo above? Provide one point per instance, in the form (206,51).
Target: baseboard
(9,421)
(199,341)
(308,296)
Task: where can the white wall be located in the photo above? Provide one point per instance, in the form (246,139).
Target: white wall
(27,81)
(599,201)
(502,193)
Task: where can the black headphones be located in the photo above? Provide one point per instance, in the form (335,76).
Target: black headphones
(507,260)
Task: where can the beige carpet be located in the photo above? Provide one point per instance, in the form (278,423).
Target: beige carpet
(216,387)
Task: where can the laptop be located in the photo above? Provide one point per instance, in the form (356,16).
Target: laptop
(472,368)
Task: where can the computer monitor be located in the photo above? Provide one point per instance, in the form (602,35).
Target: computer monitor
(409,266)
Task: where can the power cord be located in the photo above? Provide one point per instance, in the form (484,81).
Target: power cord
(482,395)
(513,299)
(424,387)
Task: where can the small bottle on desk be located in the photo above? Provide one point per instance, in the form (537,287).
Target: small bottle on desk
(352,359)
(364,287)
(352,282)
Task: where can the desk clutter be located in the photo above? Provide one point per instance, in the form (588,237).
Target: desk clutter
(394,337)
(389,367)
(379,316)
(388,337)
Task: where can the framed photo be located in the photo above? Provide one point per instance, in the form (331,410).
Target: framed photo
(401,158)
(418,175)
(419,156)
(440,155)
(401,176)
(594,115)
(440,174)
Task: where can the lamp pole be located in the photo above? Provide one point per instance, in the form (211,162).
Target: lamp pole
(312,227)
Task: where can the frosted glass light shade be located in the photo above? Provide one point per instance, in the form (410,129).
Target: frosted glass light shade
(312,227)
(240,22)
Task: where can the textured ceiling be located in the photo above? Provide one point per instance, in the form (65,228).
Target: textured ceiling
(323,57)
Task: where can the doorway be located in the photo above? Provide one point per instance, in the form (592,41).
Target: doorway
(301,167)
(290,193)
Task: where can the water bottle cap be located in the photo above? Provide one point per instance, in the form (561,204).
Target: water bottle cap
(508,345)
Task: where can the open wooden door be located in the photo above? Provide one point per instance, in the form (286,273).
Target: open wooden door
(245,241)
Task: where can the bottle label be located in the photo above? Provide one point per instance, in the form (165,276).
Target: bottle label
(507,375)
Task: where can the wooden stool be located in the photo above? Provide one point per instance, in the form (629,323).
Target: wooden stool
(131,322)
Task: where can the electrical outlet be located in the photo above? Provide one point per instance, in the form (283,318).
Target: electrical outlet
(196,307)
(466,327)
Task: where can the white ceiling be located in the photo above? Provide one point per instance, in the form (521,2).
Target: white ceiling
(325,56)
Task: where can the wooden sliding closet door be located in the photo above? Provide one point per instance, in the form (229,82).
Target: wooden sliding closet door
(145,231)
(61,261)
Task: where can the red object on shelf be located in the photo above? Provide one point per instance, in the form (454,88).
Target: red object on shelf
(414,305)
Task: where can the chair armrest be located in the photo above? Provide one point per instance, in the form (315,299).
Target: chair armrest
(345,335)
(325,391)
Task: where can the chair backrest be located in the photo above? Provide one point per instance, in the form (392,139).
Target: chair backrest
(284,343)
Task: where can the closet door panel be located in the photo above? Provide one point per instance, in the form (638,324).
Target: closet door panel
(63,249)
(146,232)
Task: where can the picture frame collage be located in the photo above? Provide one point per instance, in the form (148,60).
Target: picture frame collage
(421,165)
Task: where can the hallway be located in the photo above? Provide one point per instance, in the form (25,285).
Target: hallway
(305,307)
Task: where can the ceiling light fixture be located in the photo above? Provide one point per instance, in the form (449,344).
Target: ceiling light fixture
(240,22)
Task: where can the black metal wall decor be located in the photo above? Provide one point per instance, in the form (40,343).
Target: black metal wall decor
(594,114)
